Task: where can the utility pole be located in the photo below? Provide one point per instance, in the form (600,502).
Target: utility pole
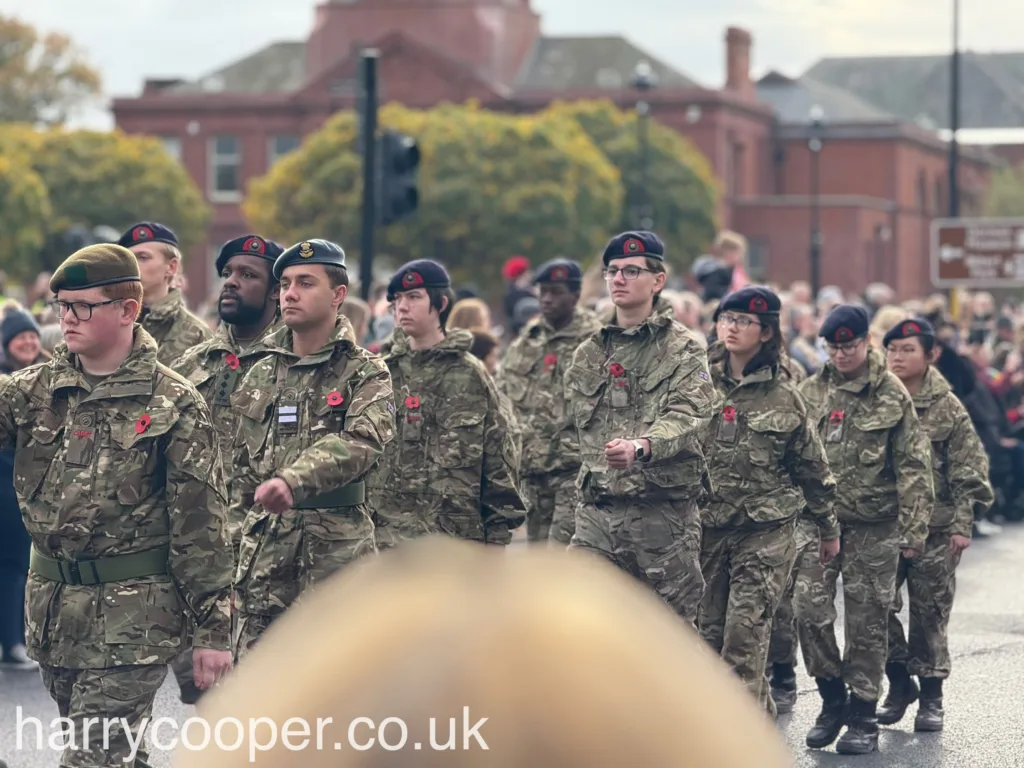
(954,126)
(369,59)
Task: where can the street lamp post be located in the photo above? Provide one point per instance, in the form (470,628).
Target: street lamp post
(644,79)
(954,117)
(817,118)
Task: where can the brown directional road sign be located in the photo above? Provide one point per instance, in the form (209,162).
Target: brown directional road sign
(977,253)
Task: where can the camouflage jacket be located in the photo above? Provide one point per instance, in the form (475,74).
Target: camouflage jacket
(319,423)
(531,376)
(652,382)
(876,449)
(452,467)
(215,367)
(959,462)
(765,456)
(174,328)
(128,466)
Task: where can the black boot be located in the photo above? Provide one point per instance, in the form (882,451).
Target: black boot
(783,688)
(861,736)
(902,693)
(833,711)
(929,711)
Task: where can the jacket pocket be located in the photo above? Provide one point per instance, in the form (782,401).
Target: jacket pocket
(142,613)
(770,433)
(586,389)
(40,442)
(655,388)
(460,439)
(128,469)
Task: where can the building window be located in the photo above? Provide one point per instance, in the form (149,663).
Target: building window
(922,191)
(940,198)
(172,144)
(757,259)
(225,169)
(280,145)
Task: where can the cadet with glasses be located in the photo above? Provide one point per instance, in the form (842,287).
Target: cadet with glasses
(766,459)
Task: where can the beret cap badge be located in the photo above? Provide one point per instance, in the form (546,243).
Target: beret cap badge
(305,250)
(633,246)
(844,334)
(142,233)
(559,273)
(909,328)
(255,244)
(758,304)
(412,279)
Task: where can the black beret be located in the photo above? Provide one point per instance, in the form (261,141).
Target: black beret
(148,232)
(96,265)
(844,323)
(559,271)
(248,245)
(908,329)
(754,299)
(422,273)
(637,243)
(310,252)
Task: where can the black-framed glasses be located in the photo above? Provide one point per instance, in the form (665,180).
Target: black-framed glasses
(844,349)
(629,273)
(740,321)
(82,310)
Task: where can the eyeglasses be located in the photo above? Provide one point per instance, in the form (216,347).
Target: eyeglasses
(628,273)
(739,321)
(843,349)
(82,310)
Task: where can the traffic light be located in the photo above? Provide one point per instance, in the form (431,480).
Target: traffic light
(397,165)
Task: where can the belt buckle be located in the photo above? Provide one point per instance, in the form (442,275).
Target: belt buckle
(69,571)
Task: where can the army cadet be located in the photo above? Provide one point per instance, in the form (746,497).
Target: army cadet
(248,310)
(882,464)
(452,468)
(164,314)
(315,414)
(531,375)
(960,476)
(765,458)
(640,397)
(120,479)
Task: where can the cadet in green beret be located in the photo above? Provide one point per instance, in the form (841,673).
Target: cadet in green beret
(120,481)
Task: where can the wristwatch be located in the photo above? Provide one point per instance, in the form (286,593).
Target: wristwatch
(639,445)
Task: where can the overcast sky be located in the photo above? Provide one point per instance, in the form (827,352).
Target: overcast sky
(129,40)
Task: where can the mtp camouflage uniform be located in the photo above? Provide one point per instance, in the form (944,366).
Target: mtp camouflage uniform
(122,489)
(765,459)
(319,423)
(960,476)
(531,375)
(173,326)
(881,460)
(652,382)
(452,466)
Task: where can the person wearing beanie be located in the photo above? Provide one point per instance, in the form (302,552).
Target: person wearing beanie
(316,414)
(881,459)
(164,314)
(20,338)
(961,488)
(248,313)
(766,458)
(518,282)
(453,467)
(640,398)
(124,501)
(531,375)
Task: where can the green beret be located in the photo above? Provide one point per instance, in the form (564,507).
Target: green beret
(96,265)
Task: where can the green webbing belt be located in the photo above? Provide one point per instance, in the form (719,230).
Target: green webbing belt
(100,570)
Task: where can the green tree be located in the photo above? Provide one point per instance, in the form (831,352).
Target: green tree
(43,78)
(115,180)
(1005,196)
(491,185)
(24,213)
(683,189)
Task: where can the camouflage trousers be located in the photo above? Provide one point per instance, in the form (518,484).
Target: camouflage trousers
(782,648)
(657,542)
(931,585)
(552,504)
(746,573)
(96,700)
(248,629)
(868,559)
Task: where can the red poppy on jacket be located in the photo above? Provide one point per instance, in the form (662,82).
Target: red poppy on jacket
(232,361)
(835,417)
(412,402)
(617,370)
(143,423)
(335,398)
(550,361)
(729,413)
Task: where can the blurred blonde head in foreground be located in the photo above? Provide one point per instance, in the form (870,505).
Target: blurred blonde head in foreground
(571,663)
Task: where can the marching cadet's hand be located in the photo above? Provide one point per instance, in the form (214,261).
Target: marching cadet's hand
(957,544)
(275,496)
(621,454)
(209,666)
(828,551)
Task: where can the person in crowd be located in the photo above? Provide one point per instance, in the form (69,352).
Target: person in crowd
(471,315)
(518,285)
(731,250)
(885,317)
(804,346)
(358,313)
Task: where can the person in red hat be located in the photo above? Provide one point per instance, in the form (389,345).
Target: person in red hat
(519,285)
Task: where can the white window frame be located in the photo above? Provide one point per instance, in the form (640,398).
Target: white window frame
(214,161)
(169,141)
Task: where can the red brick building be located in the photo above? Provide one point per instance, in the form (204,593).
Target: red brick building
(881,177)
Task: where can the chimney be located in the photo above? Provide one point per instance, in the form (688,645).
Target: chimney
(737,61)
